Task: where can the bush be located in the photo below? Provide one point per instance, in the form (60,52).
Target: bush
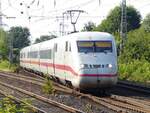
(6,66)
(137,46)
(48,86)
(137,70)
(9,106)
(134,61)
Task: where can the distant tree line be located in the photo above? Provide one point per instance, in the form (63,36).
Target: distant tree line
(44,38)
(12,41)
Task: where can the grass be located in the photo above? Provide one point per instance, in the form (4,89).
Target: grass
(6,66)
(8,105)
(137,71)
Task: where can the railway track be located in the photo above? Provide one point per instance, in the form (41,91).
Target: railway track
(43,99)
(135,87)
(33,95)
(36,109)
(38,81)
(114,102)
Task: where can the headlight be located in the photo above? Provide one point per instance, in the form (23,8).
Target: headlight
(109,65)
(84,66)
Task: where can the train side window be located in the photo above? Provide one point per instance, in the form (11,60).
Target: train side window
(28,55)
(55,47)
(24,55)
(49,54)
(45,54)
(66,46)
(34,54)
(70,47)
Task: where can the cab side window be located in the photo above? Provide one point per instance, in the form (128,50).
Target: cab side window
(66,46)
(55,47)
(70,47)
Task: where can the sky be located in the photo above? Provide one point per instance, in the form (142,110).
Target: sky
(44,17)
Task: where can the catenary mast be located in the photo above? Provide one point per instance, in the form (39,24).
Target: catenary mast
(123,31)
(0,15)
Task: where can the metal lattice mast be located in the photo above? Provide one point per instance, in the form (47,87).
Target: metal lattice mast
(0,15)
(123,31)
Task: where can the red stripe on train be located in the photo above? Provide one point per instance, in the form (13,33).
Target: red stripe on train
(98,75)
(57,66)
(68,68)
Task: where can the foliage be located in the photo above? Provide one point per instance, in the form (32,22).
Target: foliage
(19,37)
(146,23)
(134,61)
(9,106)
(112,23)
(89,26)
(137,46)
(5,66)
(135,70)
(3,44)
(48,86)
(44,38)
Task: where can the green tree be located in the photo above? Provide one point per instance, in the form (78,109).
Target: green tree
(19,36)
(134,61)
(3,44)
(146,23)
(137,46)
(112,23)
(89,26)
(44,38)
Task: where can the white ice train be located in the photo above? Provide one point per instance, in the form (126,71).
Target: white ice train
(84,60)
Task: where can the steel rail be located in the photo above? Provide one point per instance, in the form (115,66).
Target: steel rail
(131,101)
(70,91)
(126,105)
(135,87)
(129,104)
(21,101)
(32,80)
(54,103)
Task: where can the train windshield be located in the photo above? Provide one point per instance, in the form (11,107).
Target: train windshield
(94,46)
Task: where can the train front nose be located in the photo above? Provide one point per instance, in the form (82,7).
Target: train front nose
(98,75)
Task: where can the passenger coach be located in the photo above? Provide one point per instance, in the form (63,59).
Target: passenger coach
(84,60)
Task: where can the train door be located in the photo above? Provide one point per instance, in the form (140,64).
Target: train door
(54,57)
(98,77)
(65,58)
(97,69)
(68,63)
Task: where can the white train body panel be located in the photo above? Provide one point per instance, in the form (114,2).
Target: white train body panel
(87,59)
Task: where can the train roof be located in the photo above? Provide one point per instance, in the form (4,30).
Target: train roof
(86,35)
(79,36)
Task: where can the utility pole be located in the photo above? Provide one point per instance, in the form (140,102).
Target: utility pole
(71,14)
(0,15)
(123,31)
